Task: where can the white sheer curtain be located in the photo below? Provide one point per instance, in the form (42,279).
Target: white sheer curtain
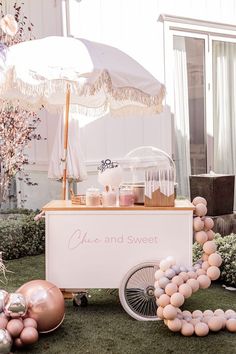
(181,120)
(224,106)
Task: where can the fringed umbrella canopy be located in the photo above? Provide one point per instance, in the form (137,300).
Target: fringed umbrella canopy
(102,78)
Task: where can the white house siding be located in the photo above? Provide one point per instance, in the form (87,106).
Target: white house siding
(132,26)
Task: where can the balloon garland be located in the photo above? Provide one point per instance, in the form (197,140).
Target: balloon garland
(176,283)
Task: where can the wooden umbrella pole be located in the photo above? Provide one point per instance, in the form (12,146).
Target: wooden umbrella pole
(66,126)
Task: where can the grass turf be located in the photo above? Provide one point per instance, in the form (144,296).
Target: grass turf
(104,327)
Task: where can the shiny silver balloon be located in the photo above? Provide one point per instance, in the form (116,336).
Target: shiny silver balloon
(15,305)
(5,342)
(3,297)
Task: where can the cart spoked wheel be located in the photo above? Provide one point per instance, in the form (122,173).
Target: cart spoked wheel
(80,299)
(136,292)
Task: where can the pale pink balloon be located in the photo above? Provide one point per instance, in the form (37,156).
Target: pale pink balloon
(215,259)
(198,200)
(219,312)
(231,325)
(30,322)
(198,224)
(177,299)
(29,335)
(208,313)
(197,313)
(194,321)
(201,329)
(205,257)
(177,280)
(192,275)
(169,312)
(200,272)
(160,312)
(185,290)
(163,300)
(194,283)
(186,313)
(213,272)
(205,265)
(187,329)
(201,237)
(200,209)
(171,288)
(215,323)
(208,223)
(210,235)
(175,325)
(184,276)
(209,247)
(229,313)
(14,327)
(204,281)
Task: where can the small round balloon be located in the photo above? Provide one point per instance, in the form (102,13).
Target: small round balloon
(15,305)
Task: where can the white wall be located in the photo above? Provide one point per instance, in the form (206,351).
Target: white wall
(132,26)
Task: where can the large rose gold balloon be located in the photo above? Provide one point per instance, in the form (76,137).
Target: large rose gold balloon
(45,304)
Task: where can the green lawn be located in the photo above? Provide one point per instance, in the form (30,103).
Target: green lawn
(104,327)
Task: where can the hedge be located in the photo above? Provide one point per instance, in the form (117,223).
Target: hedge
(21,236)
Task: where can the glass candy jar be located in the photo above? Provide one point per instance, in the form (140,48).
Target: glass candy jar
(126,197)
(109,198)
(93,197)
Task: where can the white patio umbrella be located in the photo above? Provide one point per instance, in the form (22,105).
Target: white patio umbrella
(55,72)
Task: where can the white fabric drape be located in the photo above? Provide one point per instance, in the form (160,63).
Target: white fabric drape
(76,169)
(224,106)
(181,120)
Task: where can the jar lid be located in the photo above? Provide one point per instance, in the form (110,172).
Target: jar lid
(126,190)
(92,190)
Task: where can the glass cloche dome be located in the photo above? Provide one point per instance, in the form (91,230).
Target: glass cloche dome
(155,170)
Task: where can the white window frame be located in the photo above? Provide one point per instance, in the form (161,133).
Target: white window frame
(209,31)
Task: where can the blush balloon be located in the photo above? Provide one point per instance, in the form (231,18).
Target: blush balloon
(209,247)
(30,322)
(208,223)
(215,259)
(200,209)
(213,272)
(14,327)
(198,224)
(29,335)
(198,200)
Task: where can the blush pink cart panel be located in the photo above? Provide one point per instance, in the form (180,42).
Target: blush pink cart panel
(89,247)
